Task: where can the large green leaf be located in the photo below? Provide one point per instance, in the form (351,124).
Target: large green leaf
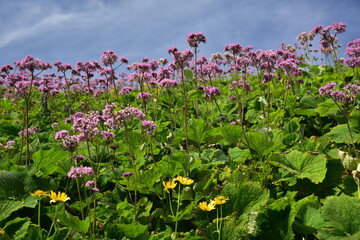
(341,134)
(7,207)
(328,107)
(306,215)
(302,165)
(45,160)
(199,130)
(342,218)
(71,221)
(134,230)
(263,143)
(231,133)
(17,228)
(12,184)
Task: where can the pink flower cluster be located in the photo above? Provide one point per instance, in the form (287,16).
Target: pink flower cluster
(149,125)
(347,96)
(194,39)
(81,171)
(211,92)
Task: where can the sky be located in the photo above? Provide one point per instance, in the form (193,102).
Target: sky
(81,30)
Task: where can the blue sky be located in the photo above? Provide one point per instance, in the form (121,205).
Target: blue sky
(80,30)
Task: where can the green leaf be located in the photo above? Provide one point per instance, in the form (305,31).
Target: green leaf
(341,134)
(302,165)
(328,107)
(239,155)
(188,74)
(71,221)
(199,130)
(342,221)
(293,126)
(17,228)
(12,184)
(263,144)
(134,230)
(231,133)
(170,167)
(213,156)
(7,207)
(308,218)
(45,160)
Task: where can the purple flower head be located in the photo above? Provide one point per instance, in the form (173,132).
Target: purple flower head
(149,125)
(325,90)
(125,90)
(353,48)
(211,92)
(233,48)
(90,183)
(183,58)
(114,147)
(127,174)
(268,77)
(62,67)
(30,63)
(167,83)
(78,158)
(144,95)
(339,27)
(9,144)
(26,132)
(353,62)
(108,136)
(232,98)
(194,39)
(81,171)
(172,50)
(317,29)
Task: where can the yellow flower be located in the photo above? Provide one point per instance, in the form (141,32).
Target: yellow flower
(169,185)
(184,180)
(61,197)
(2,232)
(220,200)
(39,193)
(207,207)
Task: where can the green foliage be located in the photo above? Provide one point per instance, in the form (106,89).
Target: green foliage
(341,215)
(301,165)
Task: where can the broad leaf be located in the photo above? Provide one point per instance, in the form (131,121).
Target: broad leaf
(69,220)
(45,160)
(342,221)
(302,165)
(7,207)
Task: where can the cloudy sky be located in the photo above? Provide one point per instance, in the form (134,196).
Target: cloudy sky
(80,30)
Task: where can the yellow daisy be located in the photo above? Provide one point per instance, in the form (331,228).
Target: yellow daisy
(39,193)
(207,207)
(220,200)
(184,180)
(59,197)
(169,185)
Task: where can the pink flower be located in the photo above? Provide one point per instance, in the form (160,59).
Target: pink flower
(149,125)
(194,39)
(81,171)
(109,57)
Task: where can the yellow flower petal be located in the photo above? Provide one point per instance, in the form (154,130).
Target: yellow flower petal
(39,193)
(59,197)
(169,185)
(220,200)
(184,180)
(207,207)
